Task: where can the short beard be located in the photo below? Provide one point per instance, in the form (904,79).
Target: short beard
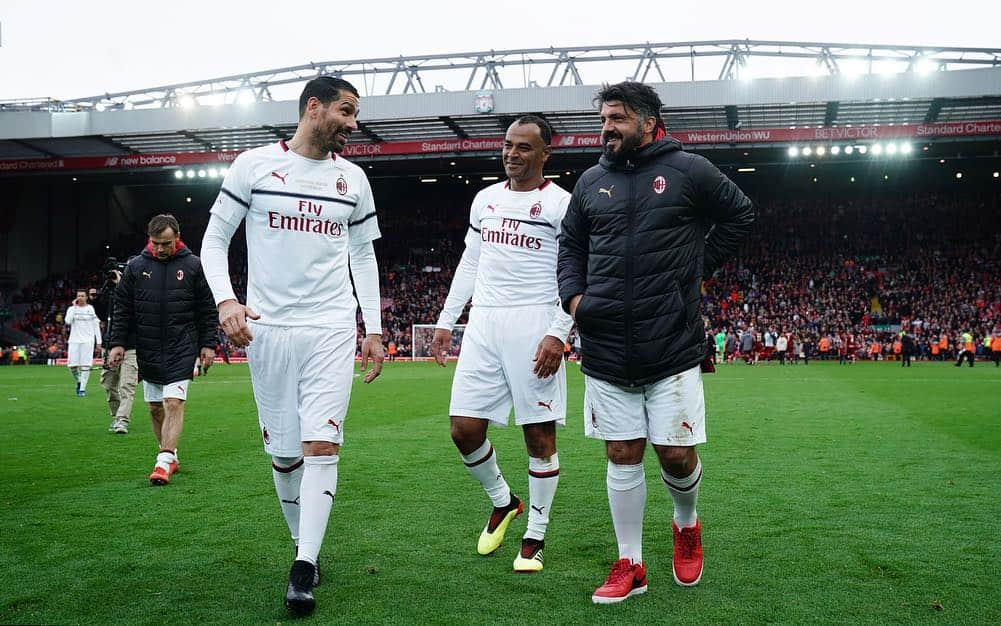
(627,147)
(323,143)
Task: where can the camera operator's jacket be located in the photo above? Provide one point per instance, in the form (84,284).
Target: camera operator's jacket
(169,307)
(637,240)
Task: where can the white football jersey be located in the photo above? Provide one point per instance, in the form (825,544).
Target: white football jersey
(517,233)
(84,324)
(301,216)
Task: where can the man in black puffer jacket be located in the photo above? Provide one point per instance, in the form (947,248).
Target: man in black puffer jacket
(643,228)
(164,301)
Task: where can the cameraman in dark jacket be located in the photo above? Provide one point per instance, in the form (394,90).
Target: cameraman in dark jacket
(642,230)
(119,382)
(164,299)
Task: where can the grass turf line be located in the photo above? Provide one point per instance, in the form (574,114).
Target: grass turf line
(849,494)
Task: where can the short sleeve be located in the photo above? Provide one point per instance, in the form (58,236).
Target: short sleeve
(233,201)
(363,225)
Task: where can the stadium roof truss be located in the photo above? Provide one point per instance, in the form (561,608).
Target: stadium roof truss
(705,84)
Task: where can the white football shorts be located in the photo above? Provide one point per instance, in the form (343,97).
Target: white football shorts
(80,353)
(669,412)
(494,372)
(153,392)
(302,384)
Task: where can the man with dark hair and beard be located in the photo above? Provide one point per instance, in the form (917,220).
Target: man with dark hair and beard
(642,230)
(310,221)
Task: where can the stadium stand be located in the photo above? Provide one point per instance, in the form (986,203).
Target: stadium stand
(867,263)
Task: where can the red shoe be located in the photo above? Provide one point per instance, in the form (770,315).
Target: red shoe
(626,579)
(174,467)
(687,554)
(160,476)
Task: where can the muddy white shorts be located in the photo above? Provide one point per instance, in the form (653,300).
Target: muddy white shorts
(669,412)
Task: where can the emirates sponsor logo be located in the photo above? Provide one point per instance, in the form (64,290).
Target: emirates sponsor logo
(508,235)
(304,224)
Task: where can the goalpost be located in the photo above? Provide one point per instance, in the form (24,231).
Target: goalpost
(420,342)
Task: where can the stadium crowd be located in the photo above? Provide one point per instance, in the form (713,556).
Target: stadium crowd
(830,274)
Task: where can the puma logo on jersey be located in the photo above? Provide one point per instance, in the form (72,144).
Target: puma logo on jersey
(336,426)
(608,192)
(688,426)
(548,405)
(280,177)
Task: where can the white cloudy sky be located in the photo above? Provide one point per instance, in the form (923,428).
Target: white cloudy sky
(73,48)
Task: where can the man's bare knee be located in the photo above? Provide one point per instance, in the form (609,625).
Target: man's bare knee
(540,440)
(468,433)
(679,461)
(625,452)
(320,448)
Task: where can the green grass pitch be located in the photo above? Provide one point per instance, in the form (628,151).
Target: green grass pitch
(832,494)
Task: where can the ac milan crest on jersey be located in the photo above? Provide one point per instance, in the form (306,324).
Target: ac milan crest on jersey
(180,274)
(536,210)
(659,184)
(342,186)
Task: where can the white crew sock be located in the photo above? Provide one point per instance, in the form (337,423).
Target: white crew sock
(316,496)
(287,472)
(482,464)
(543,477)
(627,500)
(685,493)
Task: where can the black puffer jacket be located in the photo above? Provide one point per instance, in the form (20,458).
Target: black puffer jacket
(637,239)
(169,307)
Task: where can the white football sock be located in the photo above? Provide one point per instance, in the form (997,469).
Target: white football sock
(287,472)
(165,458)
(75,372)
(627,500)
(482,464)
(84,376)
(685,493)
(316,496)
(543,477)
